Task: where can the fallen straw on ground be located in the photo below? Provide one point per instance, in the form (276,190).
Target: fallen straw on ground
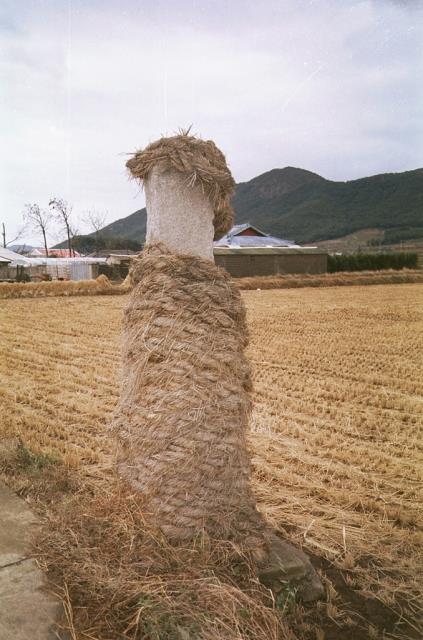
(357,278)
(100,286)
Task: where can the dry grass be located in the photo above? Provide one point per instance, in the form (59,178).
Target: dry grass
(100,286)
(337,450)
(103,286)
(124,581)
(389,276)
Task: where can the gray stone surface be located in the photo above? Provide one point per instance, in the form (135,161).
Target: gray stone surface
(178,214)
(27,610)
(16,522)
(287,565)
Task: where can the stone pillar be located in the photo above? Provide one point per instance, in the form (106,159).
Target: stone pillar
(178,215)
(182,419)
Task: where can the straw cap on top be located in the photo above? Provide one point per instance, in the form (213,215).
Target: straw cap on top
(202,163)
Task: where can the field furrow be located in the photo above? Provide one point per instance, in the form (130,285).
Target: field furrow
(336,430)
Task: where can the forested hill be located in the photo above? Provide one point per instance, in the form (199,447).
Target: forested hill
(133,226)
(300,205)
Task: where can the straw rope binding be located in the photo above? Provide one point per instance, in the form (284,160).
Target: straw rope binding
(202,163)
(185,401)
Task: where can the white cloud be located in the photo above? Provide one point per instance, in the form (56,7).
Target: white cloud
(330,86)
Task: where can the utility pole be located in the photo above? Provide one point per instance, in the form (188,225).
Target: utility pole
(4,234)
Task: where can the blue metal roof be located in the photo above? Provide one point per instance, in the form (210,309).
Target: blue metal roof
(233,239)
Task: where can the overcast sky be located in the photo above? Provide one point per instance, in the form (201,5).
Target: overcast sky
(333,86)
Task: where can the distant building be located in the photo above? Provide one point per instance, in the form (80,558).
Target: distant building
(13,258)
(10,262)
(248,251)
(23,249)
(246,235)
(39,252)
(110,254)
(4,264)
(63,268)
(118,262)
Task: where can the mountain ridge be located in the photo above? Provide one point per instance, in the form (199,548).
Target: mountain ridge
(301,205)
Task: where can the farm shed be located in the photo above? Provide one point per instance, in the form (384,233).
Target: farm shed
(117,264)
(4,264)
(13,258)
(249,251)
(57,268)
(266,261)
(9,263)
(68,268)
(121,257)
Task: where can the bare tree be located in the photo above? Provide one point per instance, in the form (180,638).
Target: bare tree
(18,235)
(40,220)
(62,211)
(96,220)
(73,232)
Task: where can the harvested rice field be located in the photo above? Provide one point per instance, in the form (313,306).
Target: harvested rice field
(336,435)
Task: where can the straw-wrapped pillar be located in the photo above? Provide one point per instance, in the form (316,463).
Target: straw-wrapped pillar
(183,414)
